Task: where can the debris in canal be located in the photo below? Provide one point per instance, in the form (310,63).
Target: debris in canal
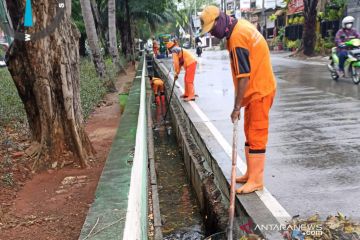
(334,227)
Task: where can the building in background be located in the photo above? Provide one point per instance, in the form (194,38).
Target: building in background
(353,9)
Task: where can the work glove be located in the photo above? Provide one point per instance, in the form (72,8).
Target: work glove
(176,77)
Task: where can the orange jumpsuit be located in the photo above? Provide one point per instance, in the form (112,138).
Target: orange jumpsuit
(158,86)
(185,59)
(155,48)
(250,57)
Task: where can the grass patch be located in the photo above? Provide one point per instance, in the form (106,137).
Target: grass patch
(123,99)
(92,89)
(91,92)
(11,107)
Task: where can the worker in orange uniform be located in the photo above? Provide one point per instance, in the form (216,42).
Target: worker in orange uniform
(183,58)
(155,47)
(158,87)
(254,84)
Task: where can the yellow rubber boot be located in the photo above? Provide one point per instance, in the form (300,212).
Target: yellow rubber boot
(256,174)
(244,178)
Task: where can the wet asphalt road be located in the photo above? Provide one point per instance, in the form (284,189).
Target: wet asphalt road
(313,155)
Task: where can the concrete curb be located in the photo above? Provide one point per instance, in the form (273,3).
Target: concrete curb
(153,180)
(108,211)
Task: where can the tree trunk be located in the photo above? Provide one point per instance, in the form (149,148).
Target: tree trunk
(123,36)
(47,78)
(99,25)
(92,37)
(130,40)
(82,47)
(112,36)
(309,35)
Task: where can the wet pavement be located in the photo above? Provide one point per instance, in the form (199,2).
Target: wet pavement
(313,155)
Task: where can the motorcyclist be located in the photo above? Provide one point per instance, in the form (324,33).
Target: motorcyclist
(198,44)
(346,33)
(198,40)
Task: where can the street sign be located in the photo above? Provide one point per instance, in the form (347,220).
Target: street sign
(270,4)
(196,21)
(295,6)
(245,5)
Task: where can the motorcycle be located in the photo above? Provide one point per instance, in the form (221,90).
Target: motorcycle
(352,63)
(199,49)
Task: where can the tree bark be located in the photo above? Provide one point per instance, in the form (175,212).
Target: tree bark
(112,36)
(309,34)
(92,37)
(46,74)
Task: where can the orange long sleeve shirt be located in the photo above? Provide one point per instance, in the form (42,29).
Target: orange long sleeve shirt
(250,57)
(188,60)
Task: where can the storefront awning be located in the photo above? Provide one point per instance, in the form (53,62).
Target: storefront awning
(256,11)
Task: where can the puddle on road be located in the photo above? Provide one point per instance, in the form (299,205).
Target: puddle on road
(180,211)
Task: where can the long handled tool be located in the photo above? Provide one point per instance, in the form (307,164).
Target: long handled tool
(168,105)
(229,231)
(233,182)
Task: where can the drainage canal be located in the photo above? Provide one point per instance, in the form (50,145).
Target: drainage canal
(179,209)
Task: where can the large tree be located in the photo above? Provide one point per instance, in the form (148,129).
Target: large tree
(46,74)
(92,37)
(112,35)
(309,34)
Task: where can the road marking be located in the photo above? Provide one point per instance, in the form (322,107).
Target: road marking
(265,196)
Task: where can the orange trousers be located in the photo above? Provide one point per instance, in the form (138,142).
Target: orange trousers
(189,81)
(158,86)
(256,123)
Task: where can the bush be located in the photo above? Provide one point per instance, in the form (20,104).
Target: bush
(92,89)
(291,44)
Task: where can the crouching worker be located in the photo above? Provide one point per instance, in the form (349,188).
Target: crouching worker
(183,58)
(159,91)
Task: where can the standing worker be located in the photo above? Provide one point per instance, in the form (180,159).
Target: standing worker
(155,47)
(254,84)
(158,87)
(183,58)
